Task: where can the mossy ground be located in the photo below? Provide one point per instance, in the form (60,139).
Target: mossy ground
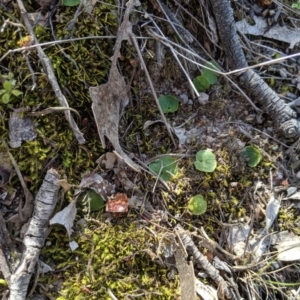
(122,255)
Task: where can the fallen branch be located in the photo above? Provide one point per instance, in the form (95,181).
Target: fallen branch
(34,238)
(283,116)
(204,263)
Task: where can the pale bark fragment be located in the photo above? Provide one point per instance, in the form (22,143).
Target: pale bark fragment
(34,238)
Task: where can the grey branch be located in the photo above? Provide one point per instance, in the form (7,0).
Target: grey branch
(283,116)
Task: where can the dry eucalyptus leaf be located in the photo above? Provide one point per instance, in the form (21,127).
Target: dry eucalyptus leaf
(66,217)
(276,32)
(287,245)
(205,291)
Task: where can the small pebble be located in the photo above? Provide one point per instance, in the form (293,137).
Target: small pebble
(184,98)
(203,98)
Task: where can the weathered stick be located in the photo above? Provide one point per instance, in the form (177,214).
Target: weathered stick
(203,262)
(51,76)
(284,117)
(34,238)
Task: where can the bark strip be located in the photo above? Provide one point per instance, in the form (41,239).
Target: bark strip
(34,238)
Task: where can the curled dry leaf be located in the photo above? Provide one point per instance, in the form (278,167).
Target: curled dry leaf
(107,160)
(97,183)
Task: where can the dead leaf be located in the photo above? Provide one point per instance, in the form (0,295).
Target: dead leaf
(97,183)
(109,98)
(118,205)
(64,184)
(107,160)
(288,246)
(276,32)
(66,218)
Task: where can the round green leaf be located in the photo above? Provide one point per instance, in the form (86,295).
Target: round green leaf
(70,2)
(252,155)
(16,93)
(7,86)
(197,205)
(5,98)
(95,200)
(168,103)
(211,76)
(166,167)
(205,161)
(201,83)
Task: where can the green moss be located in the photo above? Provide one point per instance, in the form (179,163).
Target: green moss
(55,145)
(111,257)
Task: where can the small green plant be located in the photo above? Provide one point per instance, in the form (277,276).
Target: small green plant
(166,167)
(208,77)
(197,205)
(296,5)
(252,155)
(205,161)
(9,91)
(168,103)
(93,200)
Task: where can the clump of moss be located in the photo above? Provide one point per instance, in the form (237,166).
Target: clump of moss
(114,257)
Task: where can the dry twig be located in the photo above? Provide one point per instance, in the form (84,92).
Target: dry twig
(51,76)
